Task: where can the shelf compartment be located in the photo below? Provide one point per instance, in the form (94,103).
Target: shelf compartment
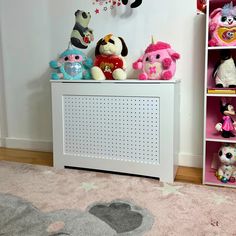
(212,164)
(212,5)
(213,60)
(214,116)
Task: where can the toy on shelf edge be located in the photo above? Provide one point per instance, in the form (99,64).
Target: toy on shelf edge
(158,62)
(201,6)
(72,65)
(222,26)
(109,62)
(225,71)
(227,157)
(227,125)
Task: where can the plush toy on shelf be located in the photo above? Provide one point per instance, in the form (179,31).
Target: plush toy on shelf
(109,62)
(72,65)
(225,71)
(157,63)
(227,157)
(81,35)
(135,4)
(222,26)
(227,125)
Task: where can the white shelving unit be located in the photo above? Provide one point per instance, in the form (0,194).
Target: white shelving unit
(212,138)
(126,126)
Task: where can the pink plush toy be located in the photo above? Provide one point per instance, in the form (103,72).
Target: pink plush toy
(157,63)
(222,26)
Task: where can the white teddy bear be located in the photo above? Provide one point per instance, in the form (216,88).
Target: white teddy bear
(227,170)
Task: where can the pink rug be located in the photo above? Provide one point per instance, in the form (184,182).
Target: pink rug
(178,209)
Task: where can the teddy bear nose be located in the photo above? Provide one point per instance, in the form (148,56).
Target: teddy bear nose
(230,21)
(229,155)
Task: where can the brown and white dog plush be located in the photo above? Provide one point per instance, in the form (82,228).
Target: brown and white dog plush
(109,63)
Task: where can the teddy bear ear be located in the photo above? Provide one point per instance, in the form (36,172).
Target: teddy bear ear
(77,12)
(97,52)
(212,15)
(124,51)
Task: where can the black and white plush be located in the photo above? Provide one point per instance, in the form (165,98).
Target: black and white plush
(81,35)
(225,71)
(135,4)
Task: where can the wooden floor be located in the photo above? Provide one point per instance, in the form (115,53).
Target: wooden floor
(184,174)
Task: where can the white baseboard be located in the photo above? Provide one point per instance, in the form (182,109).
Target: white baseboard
(27,144)
(2,142)
(190,160)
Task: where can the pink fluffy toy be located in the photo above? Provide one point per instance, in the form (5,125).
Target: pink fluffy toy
(222,26)
(157,63)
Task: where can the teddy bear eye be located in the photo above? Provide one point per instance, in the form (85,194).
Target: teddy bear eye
(157,56)
(147,59)
(229,155)
(234,17)
(220,153)
(223,18)
(111,41)
(76,57)
(66,58)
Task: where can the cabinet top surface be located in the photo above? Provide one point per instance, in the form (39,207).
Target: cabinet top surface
(127,81)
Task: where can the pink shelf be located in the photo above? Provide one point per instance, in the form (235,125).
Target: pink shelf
(211,152)
(213,139)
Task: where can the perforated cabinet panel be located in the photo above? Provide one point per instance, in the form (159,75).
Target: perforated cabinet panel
(112,127)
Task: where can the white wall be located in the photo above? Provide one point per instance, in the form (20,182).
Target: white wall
(41,31)
(2,98)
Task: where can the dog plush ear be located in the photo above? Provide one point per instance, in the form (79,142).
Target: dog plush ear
(124,51)
(97,47)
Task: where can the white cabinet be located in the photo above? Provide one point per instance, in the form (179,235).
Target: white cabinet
(213,97)
(126,126)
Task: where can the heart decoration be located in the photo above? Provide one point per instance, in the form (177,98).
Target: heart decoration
(72,68)
(227,35)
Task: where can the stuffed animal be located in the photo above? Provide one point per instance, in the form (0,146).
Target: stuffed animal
(72,65)
(81,35)
(157,63)
(227,125)
(227,157)
(109,63)
(135,4)
(201,6)
(225,71)
(222,26)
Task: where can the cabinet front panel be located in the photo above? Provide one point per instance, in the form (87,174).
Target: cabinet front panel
(124,128)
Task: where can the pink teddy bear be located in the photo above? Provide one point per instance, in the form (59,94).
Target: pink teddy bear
(222,26)
(157,63)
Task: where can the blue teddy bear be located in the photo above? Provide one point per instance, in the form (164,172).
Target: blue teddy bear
(72,65)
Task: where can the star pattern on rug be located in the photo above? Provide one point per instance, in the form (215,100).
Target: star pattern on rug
(87,186)
(219,199)
(168,189)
